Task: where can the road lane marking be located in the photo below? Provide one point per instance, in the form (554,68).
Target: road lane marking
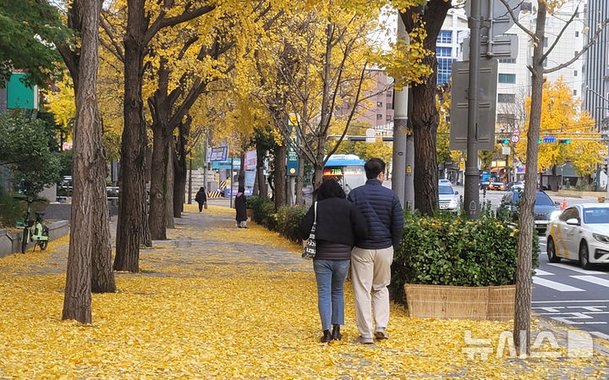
(556,285)
(588,308)
(576,269)
(549,309)
(539,272)
(599,334)
(593,280)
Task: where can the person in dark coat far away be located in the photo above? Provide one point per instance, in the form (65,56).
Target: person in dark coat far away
(201,198)
(241,208)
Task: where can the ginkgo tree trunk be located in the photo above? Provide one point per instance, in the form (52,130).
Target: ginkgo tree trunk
(88,172)
(427,18)
(140,30)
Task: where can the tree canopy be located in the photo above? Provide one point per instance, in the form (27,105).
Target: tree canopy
(27,31)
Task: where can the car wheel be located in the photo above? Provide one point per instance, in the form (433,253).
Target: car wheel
(584,256)
(551,249)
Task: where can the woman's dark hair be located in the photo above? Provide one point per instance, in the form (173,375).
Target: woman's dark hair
(329,188)
(202,188)
(374,167)
(241,189)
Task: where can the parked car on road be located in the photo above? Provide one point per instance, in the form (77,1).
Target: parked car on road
(580,233)
(497,185)
(543,208)
(517,186)
(449,197)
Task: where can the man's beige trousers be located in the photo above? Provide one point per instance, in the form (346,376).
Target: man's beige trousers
(370,274)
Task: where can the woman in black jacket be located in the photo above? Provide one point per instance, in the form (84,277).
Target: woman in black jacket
(201,198)
(338,223)
(241,208)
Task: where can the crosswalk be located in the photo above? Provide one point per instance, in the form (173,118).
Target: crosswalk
(569,282)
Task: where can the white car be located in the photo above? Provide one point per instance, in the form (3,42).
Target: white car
(448,197)
(580,233)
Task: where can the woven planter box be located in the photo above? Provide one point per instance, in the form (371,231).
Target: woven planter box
(461,302)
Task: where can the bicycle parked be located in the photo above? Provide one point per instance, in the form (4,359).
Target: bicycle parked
(34,230)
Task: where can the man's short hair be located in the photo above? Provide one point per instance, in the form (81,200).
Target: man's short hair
(374,167)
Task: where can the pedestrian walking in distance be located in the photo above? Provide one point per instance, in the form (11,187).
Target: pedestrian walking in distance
(201,198)
(338,222)
(241,208)
(373,254)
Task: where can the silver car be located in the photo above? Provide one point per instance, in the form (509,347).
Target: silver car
(580,233)
(449,197)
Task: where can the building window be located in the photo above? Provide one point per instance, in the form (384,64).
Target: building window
(574,92)
(545,42)
(576,33)
(445,37)
(443,51)
(389,94)
(545,62)
(507,60)
(507,78)
(576,52)
(506,98)
(379,116)
(574,73)
(389,106)
(444,69)
(379,104)
(388,118)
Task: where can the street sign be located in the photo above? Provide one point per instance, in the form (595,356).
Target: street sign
(515,138)
(293,159)
(487,95)
(549,139)
(219,153)
(494,41)
(370,135)
(505,46)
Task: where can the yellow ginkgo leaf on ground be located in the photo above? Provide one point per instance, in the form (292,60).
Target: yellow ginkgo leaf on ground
(221,302)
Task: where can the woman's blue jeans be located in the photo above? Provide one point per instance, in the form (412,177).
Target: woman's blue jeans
(330,276)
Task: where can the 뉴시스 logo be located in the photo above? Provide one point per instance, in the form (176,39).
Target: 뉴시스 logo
(578,344)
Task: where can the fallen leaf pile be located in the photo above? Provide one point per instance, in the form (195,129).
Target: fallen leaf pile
(221,302)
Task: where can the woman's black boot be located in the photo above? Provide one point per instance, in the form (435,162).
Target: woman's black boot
(327,336)
(336,335)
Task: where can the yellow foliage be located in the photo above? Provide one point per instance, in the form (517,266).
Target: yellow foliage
(561,117)
(61,102)
(229,303)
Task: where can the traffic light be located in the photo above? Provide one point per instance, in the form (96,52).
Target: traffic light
(539,141)
(503,141)
(564,141)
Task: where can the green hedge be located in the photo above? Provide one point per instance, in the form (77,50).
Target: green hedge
(11,209)
(451,250)
(286,220)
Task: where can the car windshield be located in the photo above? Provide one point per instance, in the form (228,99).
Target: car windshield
(541,198)
(444,189)
(596,215)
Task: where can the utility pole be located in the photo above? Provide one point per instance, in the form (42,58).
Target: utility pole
(400,130)
(472,177)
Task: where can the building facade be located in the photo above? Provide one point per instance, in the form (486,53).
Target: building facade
(595,89)
(377,110)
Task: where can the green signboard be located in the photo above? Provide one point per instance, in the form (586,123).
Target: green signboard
(18,94)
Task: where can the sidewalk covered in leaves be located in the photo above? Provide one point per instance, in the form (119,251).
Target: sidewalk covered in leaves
(221,302)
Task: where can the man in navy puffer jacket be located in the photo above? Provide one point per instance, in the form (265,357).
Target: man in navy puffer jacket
(372,256)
